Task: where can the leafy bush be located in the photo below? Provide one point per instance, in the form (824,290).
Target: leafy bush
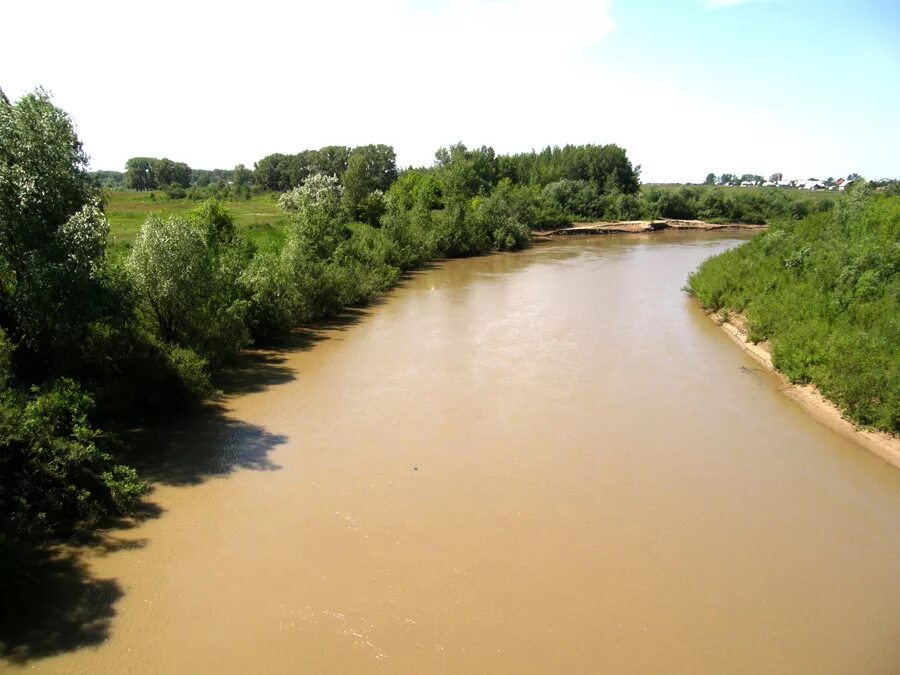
(54,470)
(189,286)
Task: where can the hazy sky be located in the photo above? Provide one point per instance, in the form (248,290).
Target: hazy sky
(805,87)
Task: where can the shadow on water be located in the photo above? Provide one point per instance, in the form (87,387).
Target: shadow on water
(207,442)
(51,603)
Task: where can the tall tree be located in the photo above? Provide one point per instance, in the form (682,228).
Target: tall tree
(371,169)
(138,173)
(52,232)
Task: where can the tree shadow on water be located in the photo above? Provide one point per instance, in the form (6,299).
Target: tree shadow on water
(201,445)
(51,603)
(266,365)
(55,606)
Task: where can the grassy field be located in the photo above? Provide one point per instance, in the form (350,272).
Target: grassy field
(258,218)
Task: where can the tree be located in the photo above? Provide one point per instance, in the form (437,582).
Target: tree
(271,173)
(52,233)
(165,172)
(370,169)
(54,471)
(175,266)
(242,177)
(138,173)
(330,160)
(464,173)
(710,179)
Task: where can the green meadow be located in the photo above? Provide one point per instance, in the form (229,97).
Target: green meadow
(257,217)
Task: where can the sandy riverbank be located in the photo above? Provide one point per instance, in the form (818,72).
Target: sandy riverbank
(642,226)
(886,446)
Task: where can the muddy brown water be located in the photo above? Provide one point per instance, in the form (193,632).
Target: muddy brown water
(540,462)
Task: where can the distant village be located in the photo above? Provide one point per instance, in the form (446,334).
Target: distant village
(777,180)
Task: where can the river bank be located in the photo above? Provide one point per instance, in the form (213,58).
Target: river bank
(808,396)
(641,227)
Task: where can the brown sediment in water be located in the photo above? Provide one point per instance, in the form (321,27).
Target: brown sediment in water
(642,227)
(548,461)
(808,396)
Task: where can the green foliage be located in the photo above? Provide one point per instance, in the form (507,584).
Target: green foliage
(716,204)
(825,290)
(594,164)
(186,278)
(110,180)
(279,172)
(464,173)
(579,199)
(150,173)
(52,237)
(54,470)
(370,171)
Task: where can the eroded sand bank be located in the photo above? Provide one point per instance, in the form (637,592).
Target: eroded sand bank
(642,227)
(886,446)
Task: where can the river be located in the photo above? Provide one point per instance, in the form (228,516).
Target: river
(540,462)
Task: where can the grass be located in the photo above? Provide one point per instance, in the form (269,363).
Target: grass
(258,217)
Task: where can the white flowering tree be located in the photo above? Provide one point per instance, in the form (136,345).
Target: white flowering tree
(319,193)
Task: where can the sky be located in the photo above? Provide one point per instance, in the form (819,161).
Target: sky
(808,88)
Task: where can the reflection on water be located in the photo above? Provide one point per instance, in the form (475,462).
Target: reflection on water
(548,461)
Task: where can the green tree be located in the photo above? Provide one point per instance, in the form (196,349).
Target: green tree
(329,161)
(138,173)
(710,179)
(52,234)
(242,177)
(164,172)
(192,299)
(370,169)
(54,466)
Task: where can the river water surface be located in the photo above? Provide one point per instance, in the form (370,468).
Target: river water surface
(541,462)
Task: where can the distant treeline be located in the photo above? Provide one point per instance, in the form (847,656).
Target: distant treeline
(716,204)
(825,291)
(151,173)
(552,187)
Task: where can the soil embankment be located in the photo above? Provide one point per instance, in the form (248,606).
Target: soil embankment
(641,227)
(886,446)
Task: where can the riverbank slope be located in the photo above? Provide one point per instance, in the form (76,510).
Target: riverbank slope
(808,396)
(824,293)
